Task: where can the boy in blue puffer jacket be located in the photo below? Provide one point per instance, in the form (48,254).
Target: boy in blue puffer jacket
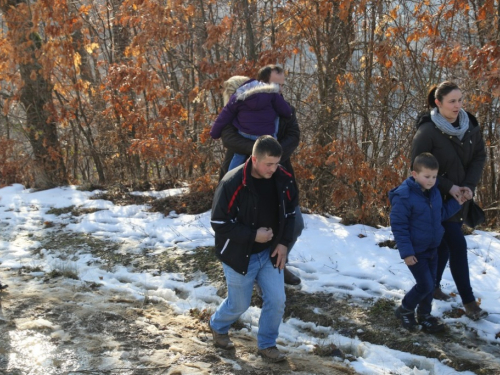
(417,212)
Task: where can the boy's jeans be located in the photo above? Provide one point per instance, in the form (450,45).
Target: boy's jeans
(239,294)
(424,272)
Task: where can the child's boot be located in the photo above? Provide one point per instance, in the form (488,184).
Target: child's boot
(407,317)
(430,323)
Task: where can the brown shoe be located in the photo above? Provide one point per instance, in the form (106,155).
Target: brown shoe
(440,295)
(290,278)
(272,354)
(474,312)
(221,340)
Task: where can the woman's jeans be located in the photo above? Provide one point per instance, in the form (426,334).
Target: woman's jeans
(454,247)
(424,272)
(239,294)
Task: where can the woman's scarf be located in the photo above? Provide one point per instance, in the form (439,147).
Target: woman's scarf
(445,126)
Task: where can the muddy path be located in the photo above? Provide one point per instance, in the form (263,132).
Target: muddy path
(63,326)
(56,323)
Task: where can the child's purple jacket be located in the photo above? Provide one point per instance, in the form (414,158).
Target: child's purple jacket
(253,109)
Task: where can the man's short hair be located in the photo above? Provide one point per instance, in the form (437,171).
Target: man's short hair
(266,145)
(425,160)
(265,72)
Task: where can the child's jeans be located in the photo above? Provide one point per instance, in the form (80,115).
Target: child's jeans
(239,159)
(424,272)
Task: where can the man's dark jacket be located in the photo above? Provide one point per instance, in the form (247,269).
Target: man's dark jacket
(461,162)
(288,137)
(234,214)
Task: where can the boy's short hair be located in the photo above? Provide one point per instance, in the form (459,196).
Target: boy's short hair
(265,72)
(425,160)
(266,145)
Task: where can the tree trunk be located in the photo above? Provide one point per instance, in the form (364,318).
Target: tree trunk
(35,95)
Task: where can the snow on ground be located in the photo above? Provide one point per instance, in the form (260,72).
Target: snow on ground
(329,257)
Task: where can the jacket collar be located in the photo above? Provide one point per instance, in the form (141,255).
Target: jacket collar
(247,173)
(253,87)
(425,117)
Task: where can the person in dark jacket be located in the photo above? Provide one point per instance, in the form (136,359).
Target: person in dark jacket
(454,137)
(254,109)
(253,215)
(288,136)
(416,215)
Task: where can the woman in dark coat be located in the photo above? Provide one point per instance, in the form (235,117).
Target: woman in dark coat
(454,137)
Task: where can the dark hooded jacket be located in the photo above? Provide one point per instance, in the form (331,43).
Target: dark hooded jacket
(234,214)
(461,162)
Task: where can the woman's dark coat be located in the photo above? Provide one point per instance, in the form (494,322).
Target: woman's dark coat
(461,162)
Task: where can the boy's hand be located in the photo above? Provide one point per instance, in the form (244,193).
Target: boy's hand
(411,260)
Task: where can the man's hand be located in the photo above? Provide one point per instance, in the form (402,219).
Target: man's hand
(281,252)
(411,260)
(264,235)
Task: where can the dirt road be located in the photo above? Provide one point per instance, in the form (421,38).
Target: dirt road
(65,326)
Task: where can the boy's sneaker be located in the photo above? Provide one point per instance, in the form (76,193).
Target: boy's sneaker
(3,286)
(272,354)
(407,317)
(430,323)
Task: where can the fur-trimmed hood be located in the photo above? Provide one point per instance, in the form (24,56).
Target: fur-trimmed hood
(253,87)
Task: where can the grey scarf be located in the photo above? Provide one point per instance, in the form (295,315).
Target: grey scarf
(445,126)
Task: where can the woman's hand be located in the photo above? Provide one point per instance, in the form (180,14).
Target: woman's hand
(466,192)
(456,192)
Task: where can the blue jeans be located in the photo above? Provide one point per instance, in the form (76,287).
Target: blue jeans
(236,161)
(454,247)
(424,272)
(239,294)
